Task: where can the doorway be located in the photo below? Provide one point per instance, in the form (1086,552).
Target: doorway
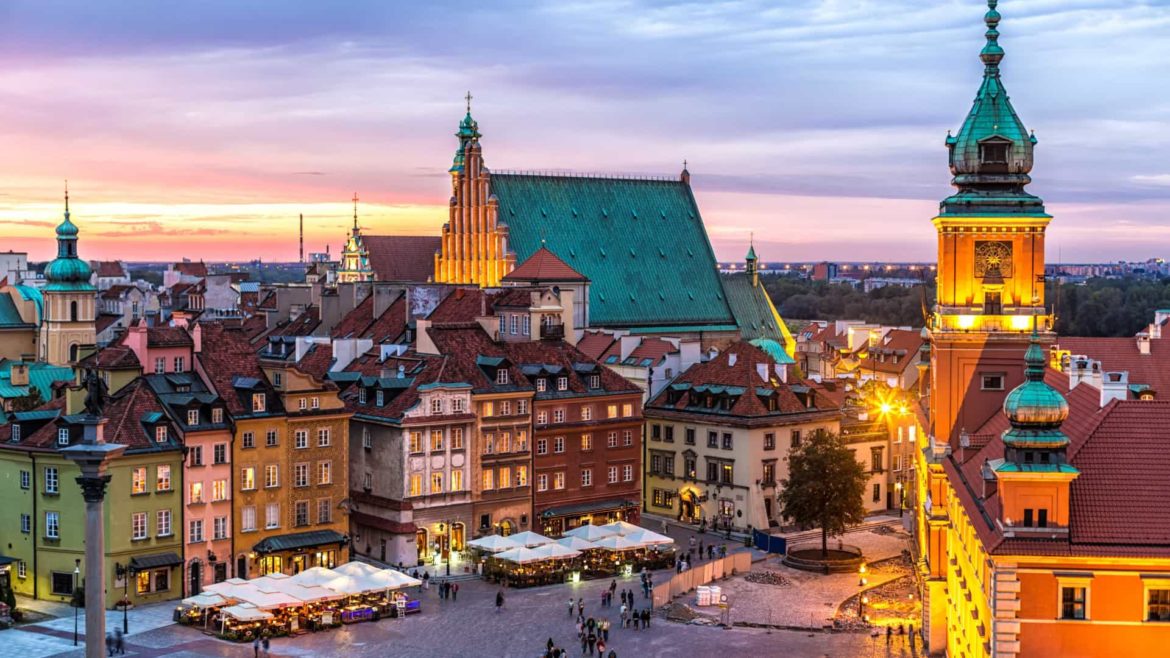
(242,566)
(195,578)
(420,544)
(298,564)
(687,507)
(458,534)
(768,510)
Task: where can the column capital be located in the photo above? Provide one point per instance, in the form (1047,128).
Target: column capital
(93,487)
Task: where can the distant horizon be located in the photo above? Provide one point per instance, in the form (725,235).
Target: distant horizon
(203,131)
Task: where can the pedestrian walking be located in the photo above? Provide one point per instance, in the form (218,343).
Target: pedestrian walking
(889,633)
(605,629)
(580,605)
(645,618)
(119,641)
(664,527)
(692,544)
(601,646)
(256,647)
(266,647)
(710,551)
(572,604)
(603,595)
(584,643)
(426,580)
(454,591)
(592,642)
(624,617)
(109,644)
(499,600)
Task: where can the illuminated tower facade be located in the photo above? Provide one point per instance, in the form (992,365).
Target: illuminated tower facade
(355,257)
(474,243)
(70,301)
(990,259)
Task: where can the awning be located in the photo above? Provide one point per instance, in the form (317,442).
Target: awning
(590,506)
(154,561)
(5,560)
(298,540)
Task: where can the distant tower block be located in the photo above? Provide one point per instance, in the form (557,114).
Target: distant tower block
(302,251)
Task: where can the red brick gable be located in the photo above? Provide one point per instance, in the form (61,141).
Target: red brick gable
(402,257)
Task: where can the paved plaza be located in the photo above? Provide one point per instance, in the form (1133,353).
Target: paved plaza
(471,627)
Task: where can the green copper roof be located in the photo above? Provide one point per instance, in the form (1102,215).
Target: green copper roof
(640,242)
(41,376)
(9,316)
(754,312)
(775,350)
(751,254)
(991,155)
(67,272)
(1035,409)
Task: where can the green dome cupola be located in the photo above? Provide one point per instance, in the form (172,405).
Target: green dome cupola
(992,154)
(468,134)
(1035,409)
(67,271)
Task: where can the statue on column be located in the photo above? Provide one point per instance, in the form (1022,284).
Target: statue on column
(93,393)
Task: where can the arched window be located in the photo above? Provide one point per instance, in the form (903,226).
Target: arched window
(73,311)
(74,348)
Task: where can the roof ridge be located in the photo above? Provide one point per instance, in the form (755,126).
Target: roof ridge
(568,173)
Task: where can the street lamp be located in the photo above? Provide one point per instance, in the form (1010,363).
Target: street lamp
(76,575)
(861,598)
(124,572)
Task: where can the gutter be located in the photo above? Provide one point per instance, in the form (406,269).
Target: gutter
(35,520)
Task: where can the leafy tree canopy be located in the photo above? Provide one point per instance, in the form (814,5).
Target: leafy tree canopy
(825,486)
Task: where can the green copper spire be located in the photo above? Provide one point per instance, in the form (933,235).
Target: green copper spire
(67,271)
(991,156)
(751,254)
(1035,409)
(468,132)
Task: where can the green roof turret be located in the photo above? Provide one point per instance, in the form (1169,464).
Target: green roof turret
(67,271)
(1035,409)
(992,154)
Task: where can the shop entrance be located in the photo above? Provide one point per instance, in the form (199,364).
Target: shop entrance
(196,579)
(688,507)
(458,534)
(420,543)
(298,564)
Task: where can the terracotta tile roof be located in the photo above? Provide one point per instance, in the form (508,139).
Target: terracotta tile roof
(1121,354)
(386,328)
(654,349)
(402,257)
(900,343)
(595,344)
(116,291)
(544,265)
(228,356)
(105,320)
(191,269)
(742,378)
(108,268)
(166,336)
(317,360)
(462,305)
(304,324)
(113,357)
(512,297)
(267,301)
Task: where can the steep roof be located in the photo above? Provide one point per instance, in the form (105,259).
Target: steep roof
(640,242)
(901,343)
(233,367)
(167,336)
(1122,354)
(463,305)
(109,268)
(595,344)
(41,377)
(361,323)
(317,360)
(544,265)
(754,312)
(191,269)
(402,257)
(115,356)
(9,315)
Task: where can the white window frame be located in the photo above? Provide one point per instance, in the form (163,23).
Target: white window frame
(324,437)
(542,481)
(301,439)
(162,523)
(52,525)
(62,436)
(259,403)
(138,530)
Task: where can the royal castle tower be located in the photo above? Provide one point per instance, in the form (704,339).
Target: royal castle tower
(474,243)
(355,257)
(990,259)
(70,301)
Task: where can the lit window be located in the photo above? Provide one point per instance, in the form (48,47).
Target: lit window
(138,526)
(325,472)
(456,438)
(542,482)
(559,480)
(505,481)
(218,490)
(1158,604)
(416,485)
(522,476)
(196,492)
(489,443)
(259,402)
(1074,601)
(160,434)
(489,479)
(247,478)
(541,385)
(217,415)
(138,480)
(436,440)
(627,410)
(192,416)
(586,442)
(612,411)
(416,442)
(271,476)
(457,480)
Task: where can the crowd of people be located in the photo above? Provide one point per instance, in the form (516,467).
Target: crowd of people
(594,632)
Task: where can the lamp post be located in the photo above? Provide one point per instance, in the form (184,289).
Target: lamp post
(861,598)
(76,575)
(901,497)
(93,455)
(123,572)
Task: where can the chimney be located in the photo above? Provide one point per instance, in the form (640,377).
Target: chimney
(423,342)
(731,359)
(197,337)
(401,371)
(19,374)
(1083,370)
(1143,343)
(1115,386)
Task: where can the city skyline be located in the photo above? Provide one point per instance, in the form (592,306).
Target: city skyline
(205,134)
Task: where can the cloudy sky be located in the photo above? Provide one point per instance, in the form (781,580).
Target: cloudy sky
(203,129)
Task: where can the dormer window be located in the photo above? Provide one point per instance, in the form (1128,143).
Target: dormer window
(15,433)
(160,434)
(259,402)
(541,385)
(437,406)
(379,398)
(361,396)
(217,415)
(994,152)
(192,416)
(502,376)
(594,381)
(63,436)
(562,383)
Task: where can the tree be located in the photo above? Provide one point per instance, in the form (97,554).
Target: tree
(825,486)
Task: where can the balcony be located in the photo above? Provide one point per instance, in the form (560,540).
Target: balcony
(552,331)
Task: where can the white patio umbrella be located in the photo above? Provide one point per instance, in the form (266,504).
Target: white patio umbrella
(556,551)
(206,600)
(494,543)
(225,585)
(622,528)
(645,537)
(576,543)
(356,568)
(266,600)
(520,555)
(590,532)
(246,612)
(616,543)
(315,576)
(392,579)
(530,539)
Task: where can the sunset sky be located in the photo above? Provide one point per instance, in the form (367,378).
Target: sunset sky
(202,129)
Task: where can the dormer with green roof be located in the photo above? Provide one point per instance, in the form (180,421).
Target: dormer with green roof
(70,301)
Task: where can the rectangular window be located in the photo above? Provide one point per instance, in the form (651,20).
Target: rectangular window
(272,516)
(627,410)
(1158,605)
(63,436)
(324,511)
(611,440)
(502,378)
(505,481)
(367,439)
(416,484)
(526,325)
(436,483)
(457,480)
(160,365)
(586,442)
(218,490)
(217,415)
(277,379)
(769,441)
(324,437)
(628,438)
(367,481)
(195,530)
(259,403)
(138,526)
(513,323)
(558,415)
(558,444)
(301,439)
(690,436)
(457,405)
(22,569)
(437,440)
(613,474)
(656,432)
(712,439)
(522,475)
(991,382)
(541,385)
(877,492)
(504,442)
(712,471)
(436,406)
(62,583)
(415,442)
(138,480)
(301,513)
(179,364)
(196,453)
(559,480)
(192,416)
(655,464)
(727,474)
(628,473)
(586,412)
(325,472)
(542,446)
(562,383)
(587,477)
(219,453)
(522,407)
(249,440)
(489,479)
(689,467)
(876,460)
(769,473)
(488,409)
(25,479)
(315,402)
(52,525)
(669,434)
(219,528)
(1073,602)
(271,476)
(248,478)
(727,441)
(611,411)
(160,434)
(271,439)
(542,482)
(594,381)
(300,475)
(162,523)
(542,418)
(521,441)
(248,519)
(196,493)
(26,523)
(489,443)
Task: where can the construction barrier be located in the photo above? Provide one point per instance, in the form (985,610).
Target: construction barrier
(701,574)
